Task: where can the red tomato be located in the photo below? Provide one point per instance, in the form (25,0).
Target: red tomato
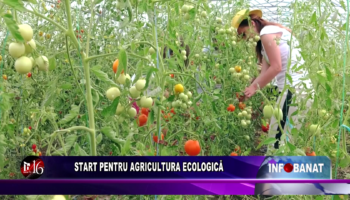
(192,147)
(142,120)
(145,111)
(231,108)
(265,128)
(155,138)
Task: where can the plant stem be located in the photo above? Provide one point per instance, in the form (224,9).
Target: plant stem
(71,66)
(69,16)
(89,27)
(89,102)
(90,107)
(76,128)
(47,19)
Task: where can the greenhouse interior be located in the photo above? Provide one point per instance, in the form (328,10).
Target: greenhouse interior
(174,99)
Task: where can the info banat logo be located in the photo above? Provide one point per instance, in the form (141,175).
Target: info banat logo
(32,167)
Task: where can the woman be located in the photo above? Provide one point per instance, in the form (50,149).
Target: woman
(273,52)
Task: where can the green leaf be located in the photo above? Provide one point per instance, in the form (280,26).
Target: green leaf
(139,68)
(336,197)
(342,4)
(319,198)
(149,74)
(110,134)
(197,98)
(269,140)
(214,107)
(97,2)
(102,76)
(329,102)
(126,146)
(73,113)
(291,146)
(344,27)
(329,74)
(344,162)
(50,93)
(31,1)
(313,18)
(171,98)
(70,140)
(329,89)
(12,27)
(192,13)
(2,151)
(300,152)
(171,64)
(289,78)
(321,78)
(66,86)
(110,110)
(67,118)
(295,113)
(151,117)
(6,100)
(52,63)
(123,62)
(79,150)
(129,9)
(99,138)
(16,4)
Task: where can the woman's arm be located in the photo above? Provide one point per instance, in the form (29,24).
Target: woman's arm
(268,73)
(264,66)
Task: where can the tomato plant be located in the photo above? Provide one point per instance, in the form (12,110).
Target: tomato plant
(164,83)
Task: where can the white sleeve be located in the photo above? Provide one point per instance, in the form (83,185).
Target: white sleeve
(270,30)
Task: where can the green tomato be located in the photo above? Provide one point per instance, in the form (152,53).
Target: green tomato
(257,38)
(185,8)
(315,129)
(278,113)
(268,111)
(151,50)
(189,94)
(243,123)
(322,113)
(174,104)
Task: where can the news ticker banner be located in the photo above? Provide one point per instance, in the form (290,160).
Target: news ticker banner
(179,175)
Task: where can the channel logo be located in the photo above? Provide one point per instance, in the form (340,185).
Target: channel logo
(296,167)
(32,167)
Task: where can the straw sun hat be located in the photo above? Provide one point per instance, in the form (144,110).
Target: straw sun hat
(243,14)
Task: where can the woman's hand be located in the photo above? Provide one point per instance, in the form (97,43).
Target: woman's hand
(249,91)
